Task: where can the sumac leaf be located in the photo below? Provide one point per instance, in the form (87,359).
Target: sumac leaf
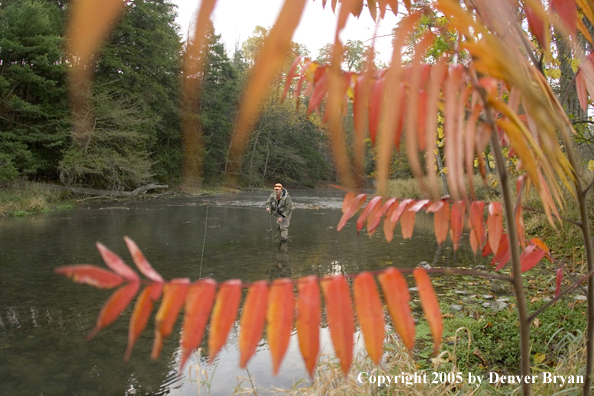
(354,206)
(252,321)
(199,300)
(430,306)
(339,312)
(223,315)
(370,314)
(91,275)
(141,262)
(174,295)
(495,225)
(407,223)
(530,257)
(441,220)
(377,218)
(375,201)
(503,253)
(395,290)
(141,314)
(477,209)
(308,321)
(114,262)
(118,301)
(281,310)
(457,222)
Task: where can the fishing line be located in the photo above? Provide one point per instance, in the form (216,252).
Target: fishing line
(204,241)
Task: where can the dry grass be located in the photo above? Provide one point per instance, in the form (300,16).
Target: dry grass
(409,188)
(21,198)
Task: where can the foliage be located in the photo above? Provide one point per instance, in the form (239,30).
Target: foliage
(274,305)
(34,112)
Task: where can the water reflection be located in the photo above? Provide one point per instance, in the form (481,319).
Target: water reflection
(44,318)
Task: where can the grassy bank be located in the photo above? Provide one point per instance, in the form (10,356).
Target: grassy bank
(23,198)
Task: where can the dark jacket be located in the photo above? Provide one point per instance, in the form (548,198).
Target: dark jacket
(283,207)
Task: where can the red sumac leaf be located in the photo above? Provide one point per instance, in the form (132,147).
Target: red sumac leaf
(397,213)
(397,298)
(223,315)
(340,318)
(308,321)
(199,300)
(118,301)
(252,321)
(388,223)
(495,225)
(536,25)
(477,210)
(140,315)
(354,206)
(174,295)
(457,222)
(114,262)
(141,262)
(503,253)
(375,201)
(290,77)
(281,310)
(441,221)
(375,107)
(567,11)
(91,275)
(347,201)
(374,222)
(430,305)
(370,314)
(530,257)
(407,222)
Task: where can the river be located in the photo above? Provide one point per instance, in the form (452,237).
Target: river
(44,318)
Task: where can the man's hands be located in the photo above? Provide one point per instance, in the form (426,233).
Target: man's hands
(268,209)
(280,219)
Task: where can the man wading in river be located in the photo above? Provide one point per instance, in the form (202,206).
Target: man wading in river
(280,205)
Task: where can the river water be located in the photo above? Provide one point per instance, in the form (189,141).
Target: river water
(44,318)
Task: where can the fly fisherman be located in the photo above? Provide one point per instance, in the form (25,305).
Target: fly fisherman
(280,205)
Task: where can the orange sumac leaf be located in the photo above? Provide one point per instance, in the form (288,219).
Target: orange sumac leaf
(339,312)
(430,305)
(397,213)
(118,301)
(199,300)
(457,222)
(114,262)
(375,201)
(495,225)
(141,262)
(407,222)
(441,219)
(91,275)
(174,295)
(375,107)
(308,321)
(140,315)
(477,209)
(370,314)
(397,298)
(374,221)
(503,253)
(354,206)
(530,257)
(347,201)
(223,315)
(473,241)
(252,321)
(281,310)
(388,223)
(543,246)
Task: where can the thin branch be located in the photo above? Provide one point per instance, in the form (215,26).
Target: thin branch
(588,188)
(566,93)
(564,292)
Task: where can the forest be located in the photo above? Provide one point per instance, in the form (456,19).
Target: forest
(136,135)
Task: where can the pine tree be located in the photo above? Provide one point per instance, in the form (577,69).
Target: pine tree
(34,111)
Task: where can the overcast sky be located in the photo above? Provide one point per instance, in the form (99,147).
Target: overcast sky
(235,20)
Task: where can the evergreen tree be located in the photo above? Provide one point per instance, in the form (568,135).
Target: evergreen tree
(137,132)
(34,111)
